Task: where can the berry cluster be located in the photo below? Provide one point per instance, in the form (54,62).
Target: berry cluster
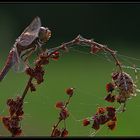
(37,72)
(107,115)
(63,115)
(125,88)
(112,97)
(60,132)
(12,122)
(104,115)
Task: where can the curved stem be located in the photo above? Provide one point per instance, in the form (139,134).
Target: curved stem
(79,40)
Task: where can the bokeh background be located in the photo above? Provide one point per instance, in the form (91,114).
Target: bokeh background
(116,25)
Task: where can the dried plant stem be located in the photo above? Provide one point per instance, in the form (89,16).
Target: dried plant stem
(55,126)
(79,40)
(67,102)
(60,119)
(24,93)
(26,88)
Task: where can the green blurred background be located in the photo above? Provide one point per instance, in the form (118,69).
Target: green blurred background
(116,25)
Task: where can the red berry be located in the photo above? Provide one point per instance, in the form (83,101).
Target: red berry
(111,112)
(96,124)
(10,102)
(110,108)
(70,91)
(101,110)
(18,132)
(64,114)
(64,133)
(6,121)
(111,125)
(94,49)
(19,113)
(55,56)
(59,104)
(29,71)
(86,122)
(56,133)
(109,87)
(103,119)
(110,98)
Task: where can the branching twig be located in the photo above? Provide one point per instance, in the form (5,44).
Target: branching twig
(63,114)
(37,73)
